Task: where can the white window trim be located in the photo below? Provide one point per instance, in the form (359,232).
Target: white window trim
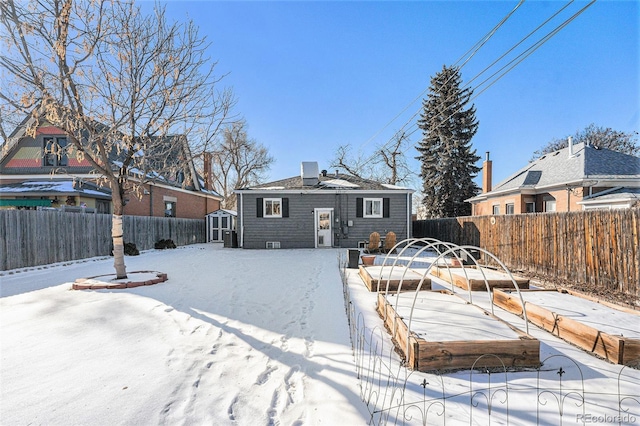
(373,215)
(272,200)
(513,208)
(549,203)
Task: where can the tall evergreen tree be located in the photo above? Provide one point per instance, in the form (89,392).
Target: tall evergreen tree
(448,160)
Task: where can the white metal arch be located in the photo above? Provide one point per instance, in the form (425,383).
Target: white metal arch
(465,249)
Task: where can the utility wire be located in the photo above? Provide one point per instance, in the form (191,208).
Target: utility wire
(520,42)
(513,63)
(474,49)
(486,38)
(518,59)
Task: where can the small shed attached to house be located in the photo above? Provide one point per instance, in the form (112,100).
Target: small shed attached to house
(220,222)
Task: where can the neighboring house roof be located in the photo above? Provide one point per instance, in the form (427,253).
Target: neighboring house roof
(49,188)
(325,183)
(223,212)
(583,165)
(174,159)
(55,187)
(619,195)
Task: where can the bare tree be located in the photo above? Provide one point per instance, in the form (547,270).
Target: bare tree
(387,164)
(238,161)
(118,82)
(355,166)
(598,136)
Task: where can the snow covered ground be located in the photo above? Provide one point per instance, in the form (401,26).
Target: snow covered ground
(245,337)
(233,337)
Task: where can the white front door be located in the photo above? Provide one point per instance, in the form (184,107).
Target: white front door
(323,220)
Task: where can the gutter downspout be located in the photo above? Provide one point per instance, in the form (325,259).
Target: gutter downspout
(241,218)
(409,215)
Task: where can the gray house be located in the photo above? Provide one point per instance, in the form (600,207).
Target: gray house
(317,209)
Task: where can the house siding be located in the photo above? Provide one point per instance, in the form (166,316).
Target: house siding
(298,230)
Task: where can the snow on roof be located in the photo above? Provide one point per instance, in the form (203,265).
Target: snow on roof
(387,185)
(66,186)
(271,187)
(339,183)
(223,211)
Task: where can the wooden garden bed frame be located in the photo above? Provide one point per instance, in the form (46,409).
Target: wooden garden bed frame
(474,277)
(410,278)
(424,355)
(616,349)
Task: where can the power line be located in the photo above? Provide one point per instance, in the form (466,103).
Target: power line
(521,57)
(509,66)
(486,38)
(518,59)
(474,49)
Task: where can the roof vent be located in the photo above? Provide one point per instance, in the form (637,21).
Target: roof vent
(309,173)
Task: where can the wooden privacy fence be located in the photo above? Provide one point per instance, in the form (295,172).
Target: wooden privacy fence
(596,248)
(32,238)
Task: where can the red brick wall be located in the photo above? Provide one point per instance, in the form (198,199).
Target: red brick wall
(188,206)
(519,200)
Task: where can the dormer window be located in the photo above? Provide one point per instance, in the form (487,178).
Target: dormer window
(54,152)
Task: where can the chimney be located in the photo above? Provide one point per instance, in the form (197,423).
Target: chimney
(570,140)
(207,171)
(486,174)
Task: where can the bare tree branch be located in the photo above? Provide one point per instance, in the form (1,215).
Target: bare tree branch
(125,87)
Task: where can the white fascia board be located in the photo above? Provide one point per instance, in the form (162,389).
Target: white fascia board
(323,191)
(185,191)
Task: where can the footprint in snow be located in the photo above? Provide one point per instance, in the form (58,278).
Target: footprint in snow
(264,376)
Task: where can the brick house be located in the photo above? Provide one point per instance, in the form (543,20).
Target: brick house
(33,175)
(578,177)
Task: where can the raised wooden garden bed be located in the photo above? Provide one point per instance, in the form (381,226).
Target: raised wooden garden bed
(449,333)
(371,275)
(608,332)
(475,279)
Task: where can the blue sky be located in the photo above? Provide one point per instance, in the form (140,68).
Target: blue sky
(311,76)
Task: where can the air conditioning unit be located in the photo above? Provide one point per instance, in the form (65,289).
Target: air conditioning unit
(273,244)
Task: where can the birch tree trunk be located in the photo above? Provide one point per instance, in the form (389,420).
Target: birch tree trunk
(117,231)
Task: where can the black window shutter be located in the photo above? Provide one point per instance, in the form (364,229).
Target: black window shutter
(285,207)
(359,208)
(259,207)
(385,207)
